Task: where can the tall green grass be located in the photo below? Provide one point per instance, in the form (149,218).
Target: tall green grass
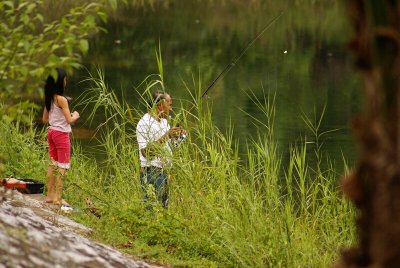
(226,209)
(23,150)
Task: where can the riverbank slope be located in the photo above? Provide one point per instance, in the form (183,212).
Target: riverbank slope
(35,234)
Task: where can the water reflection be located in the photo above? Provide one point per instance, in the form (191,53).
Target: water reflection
(301,60)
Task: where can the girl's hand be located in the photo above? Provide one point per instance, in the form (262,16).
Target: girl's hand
(75,115)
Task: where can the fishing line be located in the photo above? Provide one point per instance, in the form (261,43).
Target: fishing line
(233,62)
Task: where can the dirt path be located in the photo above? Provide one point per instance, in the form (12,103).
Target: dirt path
(32,234)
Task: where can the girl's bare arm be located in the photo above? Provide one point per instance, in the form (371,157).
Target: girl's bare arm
(63,104)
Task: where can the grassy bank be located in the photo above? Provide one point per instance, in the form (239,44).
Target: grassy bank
(226,209)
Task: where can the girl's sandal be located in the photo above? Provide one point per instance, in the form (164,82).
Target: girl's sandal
(64,203)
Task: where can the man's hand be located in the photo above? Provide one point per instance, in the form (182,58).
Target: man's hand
(175,132)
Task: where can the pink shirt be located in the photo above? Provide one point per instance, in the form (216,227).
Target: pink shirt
(57,119)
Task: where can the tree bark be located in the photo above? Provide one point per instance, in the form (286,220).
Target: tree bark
(374,184)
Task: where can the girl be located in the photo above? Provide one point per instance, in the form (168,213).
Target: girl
(57,114)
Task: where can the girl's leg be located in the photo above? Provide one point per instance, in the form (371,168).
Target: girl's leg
(52,167)
(50,184)
(59,183)
(63,155)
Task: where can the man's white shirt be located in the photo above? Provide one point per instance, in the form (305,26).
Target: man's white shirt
(149,130)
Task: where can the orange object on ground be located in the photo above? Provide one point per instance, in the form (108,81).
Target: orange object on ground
(26,186)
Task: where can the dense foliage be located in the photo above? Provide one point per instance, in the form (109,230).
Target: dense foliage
(35,37)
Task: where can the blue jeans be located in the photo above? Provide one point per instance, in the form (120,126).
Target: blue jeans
(155,176)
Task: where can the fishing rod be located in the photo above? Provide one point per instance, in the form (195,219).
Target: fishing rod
(233,62)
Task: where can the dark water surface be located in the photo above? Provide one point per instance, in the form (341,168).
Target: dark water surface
(301,59)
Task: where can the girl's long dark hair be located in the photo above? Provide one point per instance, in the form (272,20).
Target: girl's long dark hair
(53,87)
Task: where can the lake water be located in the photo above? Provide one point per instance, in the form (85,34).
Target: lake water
(301,59)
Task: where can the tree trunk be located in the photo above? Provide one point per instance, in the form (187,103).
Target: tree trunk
(374,184)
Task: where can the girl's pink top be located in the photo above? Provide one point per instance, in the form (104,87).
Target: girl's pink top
(57,119)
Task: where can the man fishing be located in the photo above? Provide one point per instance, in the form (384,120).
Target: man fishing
(153,136)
